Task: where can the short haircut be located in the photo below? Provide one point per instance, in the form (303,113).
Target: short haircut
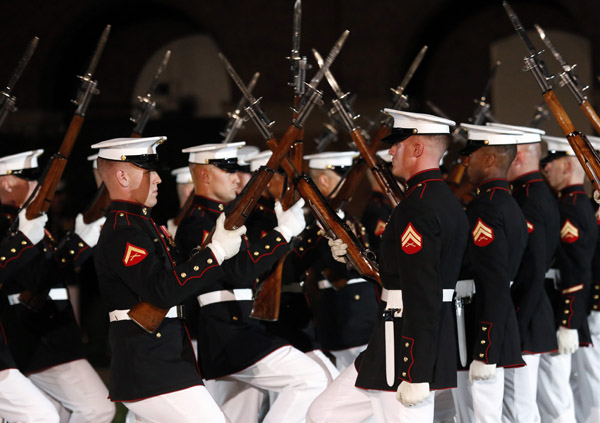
(505,155)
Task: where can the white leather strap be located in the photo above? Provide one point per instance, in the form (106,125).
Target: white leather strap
(244,294)
(56,294)
(325,284)
(447,294)
(117,315)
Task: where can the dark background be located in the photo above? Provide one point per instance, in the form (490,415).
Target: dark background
(255,35)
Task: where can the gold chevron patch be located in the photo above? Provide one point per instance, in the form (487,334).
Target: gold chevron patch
(412,241)
(482,234)
(133,255)
(569,233)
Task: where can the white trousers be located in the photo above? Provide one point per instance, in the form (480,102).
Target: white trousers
(189,405)
(480,401)
(79,389)
(585,382)
(555,397)
(343,402)
(344,358)
(296,378)
(444,411)
(22,401)
(322,360)
(520,392)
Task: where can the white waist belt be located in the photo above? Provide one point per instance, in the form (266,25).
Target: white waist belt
(446,295)
(117,315)
(553,274)
(244,294)
(466,288)
(55,293)
(325,284)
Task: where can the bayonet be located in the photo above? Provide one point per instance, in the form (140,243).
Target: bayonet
(514,19)
(298,64)
(568,76)
(399,97)
(254,111)
(88,85)
(482,110)
(7,100)
(236,120)
(311,87)
(147,105)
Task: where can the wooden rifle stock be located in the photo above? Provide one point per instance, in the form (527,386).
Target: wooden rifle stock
(53,172)
(591,114)
(585,153)
(381,133)
(149,317)
(330,221)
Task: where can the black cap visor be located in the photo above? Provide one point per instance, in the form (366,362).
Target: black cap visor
(552,155)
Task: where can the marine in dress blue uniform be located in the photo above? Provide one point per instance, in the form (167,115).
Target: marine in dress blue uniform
(412,347)
(497,240)
(232,347)
(154,374)
(532,305)
(569,281)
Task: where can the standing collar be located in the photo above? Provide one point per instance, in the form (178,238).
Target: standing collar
(208,203)
(572,189)
(424,176)
(493,184)
(130,207)
(523,180)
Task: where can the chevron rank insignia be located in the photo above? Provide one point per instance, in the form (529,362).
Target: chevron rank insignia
(530,227)
(133,255)
(412,241)
(482,234)
(569,233)
(380,227)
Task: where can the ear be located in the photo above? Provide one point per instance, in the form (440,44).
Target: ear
(323,180)
(490,159)
(122,177)
(418,149)
(6,185)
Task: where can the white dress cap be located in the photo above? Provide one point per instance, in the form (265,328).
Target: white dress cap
(530,135)
(245,154)
(558,145)
(333,160)
(260,159)
(17,164)
(385,155)
(407,124)
(122,148)
(482,135)
(182,175)
(209,153)
(94,159)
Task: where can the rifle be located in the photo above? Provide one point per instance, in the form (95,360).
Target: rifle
(149,317)
(45,190)
(7,100)
(456,178)
(399,102)
(585,152)
(571,80)
(234,124)
(146,108)
(540,115)
(382,174)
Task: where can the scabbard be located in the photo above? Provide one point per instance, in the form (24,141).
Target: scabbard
(460,330)
(390,364)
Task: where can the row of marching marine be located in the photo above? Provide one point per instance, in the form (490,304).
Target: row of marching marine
(480,313)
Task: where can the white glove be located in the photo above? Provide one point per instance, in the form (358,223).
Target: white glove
(596,196)
(171,227)
(32,229)
(290,222)
(568,340)
(338,249)
(89,232)
(412,393)
(225,244)
(481,371)
(594,322)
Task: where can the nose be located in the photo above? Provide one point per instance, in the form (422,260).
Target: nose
(156,178)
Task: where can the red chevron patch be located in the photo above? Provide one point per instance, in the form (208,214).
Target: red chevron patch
(569,233)
(412,241)
(482,234)
(133,255)
(530,227)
